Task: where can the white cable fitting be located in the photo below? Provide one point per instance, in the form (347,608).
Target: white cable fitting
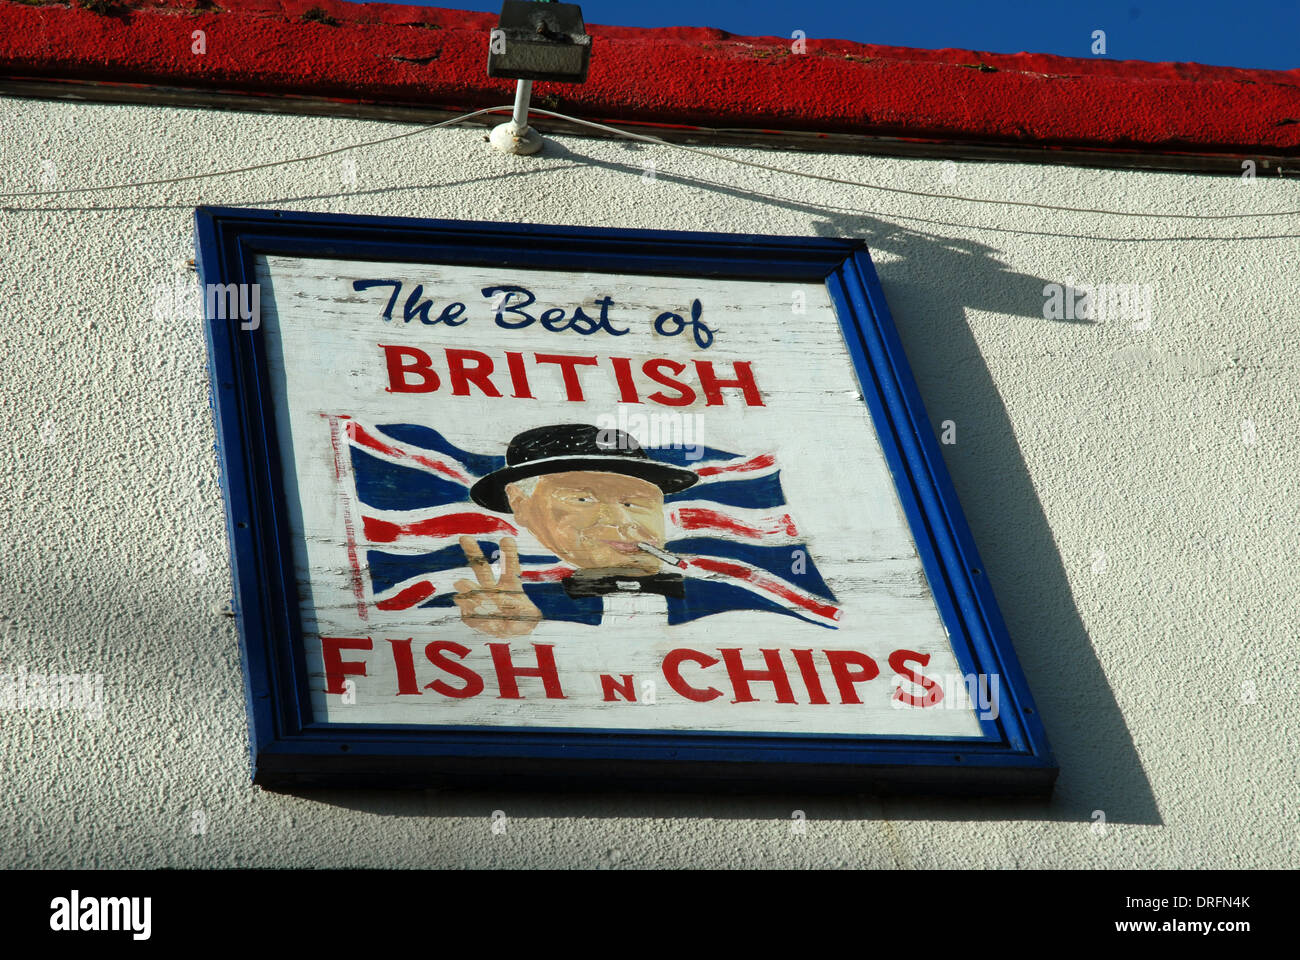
(515,135)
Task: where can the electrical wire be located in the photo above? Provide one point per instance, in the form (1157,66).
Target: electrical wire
(644,138)
(258,166)
(911,193)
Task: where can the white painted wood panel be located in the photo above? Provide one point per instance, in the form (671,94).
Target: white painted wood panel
(323,345)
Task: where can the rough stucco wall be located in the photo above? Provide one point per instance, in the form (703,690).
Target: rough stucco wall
(1139,535)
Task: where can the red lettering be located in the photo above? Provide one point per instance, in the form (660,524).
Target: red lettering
(336,668)
(436,654)
(518,376)
(569,365)
(685,395)
(405,663)
(712,386)
(609,686)
(623,376)
(461,376)
(507,672)
(421,365)
(898,660)
(841,661)
(774,674)
(809,673)
(671,665)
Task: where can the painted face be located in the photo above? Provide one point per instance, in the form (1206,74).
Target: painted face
(594,520)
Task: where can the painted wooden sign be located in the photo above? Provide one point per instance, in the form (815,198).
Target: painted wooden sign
(598,506)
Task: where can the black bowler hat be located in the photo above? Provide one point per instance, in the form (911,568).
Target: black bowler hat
(575,446)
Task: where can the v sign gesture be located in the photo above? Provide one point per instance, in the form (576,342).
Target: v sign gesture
(498,607)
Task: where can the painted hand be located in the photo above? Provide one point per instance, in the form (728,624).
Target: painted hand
(498,607)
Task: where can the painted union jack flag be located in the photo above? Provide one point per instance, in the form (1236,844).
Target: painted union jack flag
(738,545)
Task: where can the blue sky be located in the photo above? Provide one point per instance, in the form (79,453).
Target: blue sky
(1223,32)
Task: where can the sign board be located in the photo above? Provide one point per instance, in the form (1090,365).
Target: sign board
(552,506)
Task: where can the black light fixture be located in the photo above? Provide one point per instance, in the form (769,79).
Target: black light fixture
(540,41)
(535,41)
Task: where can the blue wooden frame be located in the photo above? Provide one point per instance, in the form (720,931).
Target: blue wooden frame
(289,748)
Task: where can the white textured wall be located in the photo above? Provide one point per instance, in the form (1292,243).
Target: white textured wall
(1142,541)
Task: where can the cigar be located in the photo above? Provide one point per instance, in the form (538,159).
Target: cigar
(663,555)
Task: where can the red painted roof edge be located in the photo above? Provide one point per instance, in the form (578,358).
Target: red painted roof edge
(431,57)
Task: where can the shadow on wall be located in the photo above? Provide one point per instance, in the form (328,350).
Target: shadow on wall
(929,281)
